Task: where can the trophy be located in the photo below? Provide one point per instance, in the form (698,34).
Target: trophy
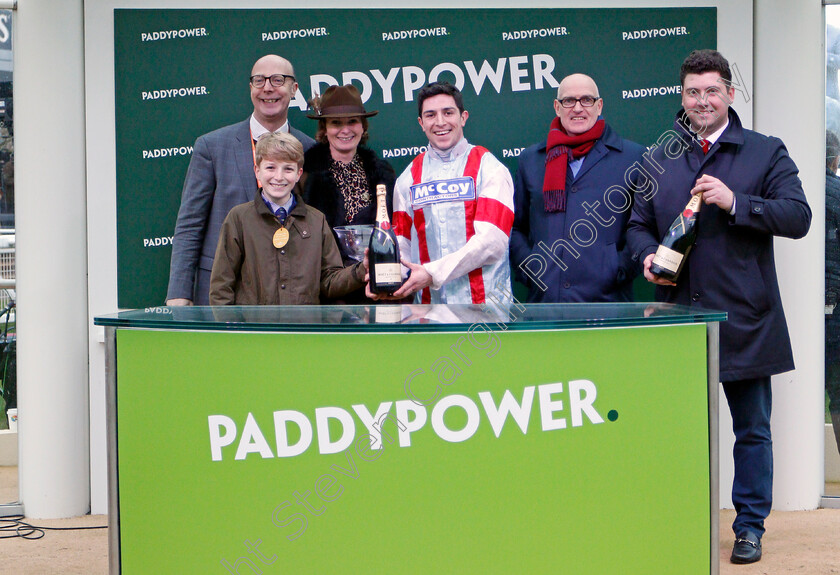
(352,240)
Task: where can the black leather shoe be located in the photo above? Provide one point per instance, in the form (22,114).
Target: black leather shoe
(747,548)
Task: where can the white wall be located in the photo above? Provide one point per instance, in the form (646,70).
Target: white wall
(52,312)
(790,64)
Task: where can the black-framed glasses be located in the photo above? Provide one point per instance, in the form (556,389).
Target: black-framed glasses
(586,101)
(277,80)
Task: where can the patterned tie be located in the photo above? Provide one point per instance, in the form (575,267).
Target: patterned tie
(281,215)
(706,145)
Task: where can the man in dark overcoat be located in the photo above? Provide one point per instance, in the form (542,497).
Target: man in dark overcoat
(751,193)
(571,204)
(832,280)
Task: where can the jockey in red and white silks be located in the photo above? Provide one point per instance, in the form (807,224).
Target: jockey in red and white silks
(457,229)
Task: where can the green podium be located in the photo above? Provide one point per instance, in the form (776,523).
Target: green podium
(525,438)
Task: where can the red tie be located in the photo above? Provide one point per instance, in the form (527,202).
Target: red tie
(706,146)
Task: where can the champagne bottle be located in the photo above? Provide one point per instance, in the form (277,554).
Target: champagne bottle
(384,252)
(672,252)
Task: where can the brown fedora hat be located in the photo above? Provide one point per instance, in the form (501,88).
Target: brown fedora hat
(338,102)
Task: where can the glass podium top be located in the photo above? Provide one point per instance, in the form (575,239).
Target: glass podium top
(515,316)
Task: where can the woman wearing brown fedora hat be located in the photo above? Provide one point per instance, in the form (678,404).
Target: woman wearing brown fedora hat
(340,173)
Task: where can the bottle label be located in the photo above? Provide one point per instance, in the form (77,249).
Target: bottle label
(388,313)
(382,212)
(694,202)
(387,273)
(668,259)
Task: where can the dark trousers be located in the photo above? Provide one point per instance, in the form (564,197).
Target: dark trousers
(750,402)
(832,371)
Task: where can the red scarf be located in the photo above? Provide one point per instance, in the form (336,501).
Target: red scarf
(557,160)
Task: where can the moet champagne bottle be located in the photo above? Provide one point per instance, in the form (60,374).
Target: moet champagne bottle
(675,246)
(384,251)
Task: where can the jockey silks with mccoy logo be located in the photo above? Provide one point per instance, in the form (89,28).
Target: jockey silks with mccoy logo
(453,209)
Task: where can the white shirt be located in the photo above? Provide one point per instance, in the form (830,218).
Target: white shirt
(258,130)
(274,207)
(713,137)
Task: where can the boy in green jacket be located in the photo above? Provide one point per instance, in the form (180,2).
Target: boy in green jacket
(277,250)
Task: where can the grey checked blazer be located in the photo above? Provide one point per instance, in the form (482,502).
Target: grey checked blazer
(220,176)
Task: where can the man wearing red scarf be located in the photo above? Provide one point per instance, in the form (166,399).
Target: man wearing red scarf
(571,205)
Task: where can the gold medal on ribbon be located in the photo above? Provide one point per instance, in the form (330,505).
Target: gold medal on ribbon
(281,236)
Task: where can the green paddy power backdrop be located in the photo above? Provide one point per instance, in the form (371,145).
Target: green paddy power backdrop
(542,452)
(182,73)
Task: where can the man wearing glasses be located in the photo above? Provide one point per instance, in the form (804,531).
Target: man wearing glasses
(751,193)
(568,240)
(221,176)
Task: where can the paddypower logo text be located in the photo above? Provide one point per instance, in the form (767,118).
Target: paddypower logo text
(400,152)
(170,34)
(293,34)
(411,34)
(167,152)
(538,33)
(520,73)
(174,93)
(654,33)
(650,92)
(332,429)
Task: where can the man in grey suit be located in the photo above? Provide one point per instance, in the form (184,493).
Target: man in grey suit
(221,176)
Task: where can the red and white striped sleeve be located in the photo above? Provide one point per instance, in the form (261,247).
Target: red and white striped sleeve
(492,224)
(403,214)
